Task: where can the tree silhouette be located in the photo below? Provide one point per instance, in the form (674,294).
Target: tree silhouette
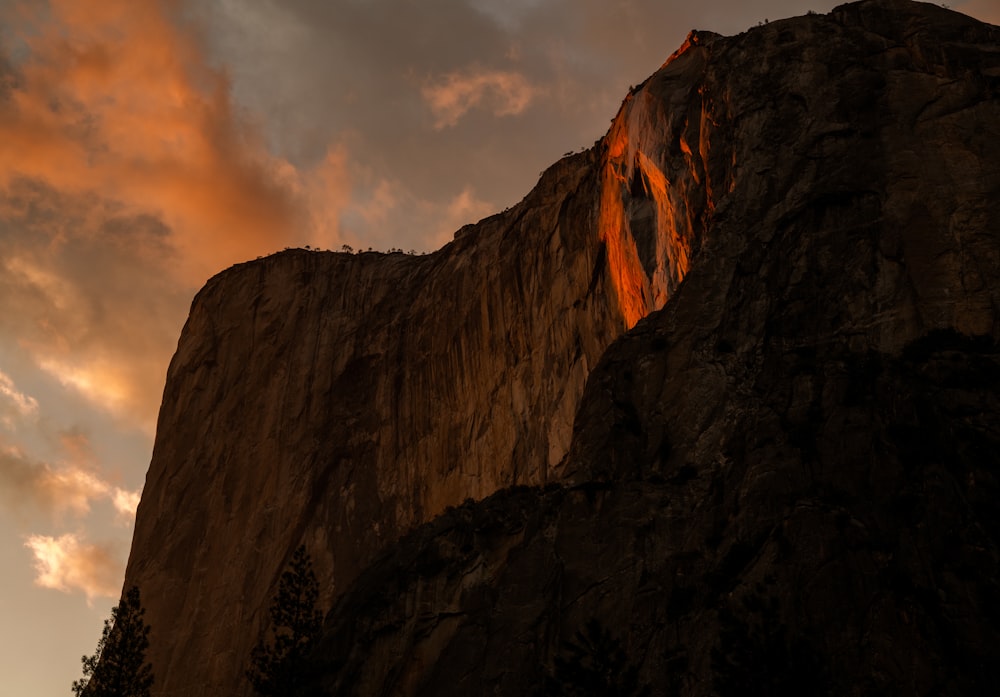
(278,667)
(118,668)
(594,664)
(756,657)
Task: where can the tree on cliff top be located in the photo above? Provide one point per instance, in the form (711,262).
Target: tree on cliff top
(118,668)
(278,668)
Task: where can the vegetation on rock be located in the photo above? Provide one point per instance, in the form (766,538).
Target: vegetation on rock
(279,666)
(118,668)
(594,664)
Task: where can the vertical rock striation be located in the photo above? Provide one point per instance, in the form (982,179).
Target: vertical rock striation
(785,481)
(825,187)
(339,400)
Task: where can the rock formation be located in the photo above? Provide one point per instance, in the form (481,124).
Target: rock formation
(791,461)
(786,480)
(338,400)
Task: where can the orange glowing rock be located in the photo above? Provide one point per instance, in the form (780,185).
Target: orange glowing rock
(648,223)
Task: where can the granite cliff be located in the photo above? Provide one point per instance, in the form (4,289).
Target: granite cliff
(338,400)
(785,463)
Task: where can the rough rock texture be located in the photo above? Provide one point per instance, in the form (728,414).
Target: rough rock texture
(765,451)
(338,400)
(786,481)
(853,553)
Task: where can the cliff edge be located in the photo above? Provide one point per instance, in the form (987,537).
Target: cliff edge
(795,205)
(339,400)
(785,481)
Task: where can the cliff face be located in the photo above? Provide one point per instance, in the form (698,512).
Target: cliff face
(785,481)
(825,187)
(338,400)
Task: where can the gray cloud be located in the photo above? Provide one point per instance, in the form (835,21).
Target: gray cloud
(453,95)
(362,75)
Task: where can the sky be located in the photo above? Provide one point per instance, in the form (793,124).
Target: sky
(145,145)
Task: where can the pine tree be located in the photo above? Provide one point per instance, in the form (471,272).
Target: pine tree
(594,665)
(279,668)
(118,668)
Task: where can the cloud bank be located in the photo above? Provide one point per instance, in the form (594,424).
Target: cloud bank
(116,100)
(128,178)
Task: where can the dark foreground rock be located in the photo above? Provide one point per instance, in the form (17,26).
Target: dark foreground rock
(783,480)
(786,481)
(849,549)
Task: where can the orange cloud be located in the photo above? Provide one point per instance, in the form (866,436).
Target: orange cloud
(100,381)
(325,190)
(125,502)
(462,209)
(128,178)
(389,206)
(14,404)
(58,490)
(23,480)
(76,444)
(87,302)
(504,93)
(67,563)
(115,97)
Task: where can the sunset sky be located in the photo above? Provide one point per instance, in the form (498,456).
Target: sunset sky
(145,146)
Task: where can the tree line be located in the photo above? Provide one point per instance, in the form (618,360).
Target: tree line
(278,663)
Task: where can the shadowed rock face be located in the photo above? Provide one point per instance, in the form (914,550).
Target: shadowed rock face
(853,552)
(764,450)
(339,400)
(785,481)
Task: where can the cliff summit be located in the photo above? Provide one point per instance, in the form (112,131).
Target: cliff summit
(724,385)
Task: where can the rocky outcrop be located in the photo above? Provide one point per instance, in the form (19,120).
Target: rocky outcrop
(338,400)
(785,481)
(803,201)
(860,216)
(853,552)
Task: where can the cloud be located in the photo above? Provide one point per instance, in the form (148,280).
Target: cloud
(389,205)
(125,502)
(128,178)
(68,563)
(58,490)
(86,291)
(356,74)
(504,93)
(326,190)
(462,209)
(26,481)
(116,98)
(14,404)
(76,444)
